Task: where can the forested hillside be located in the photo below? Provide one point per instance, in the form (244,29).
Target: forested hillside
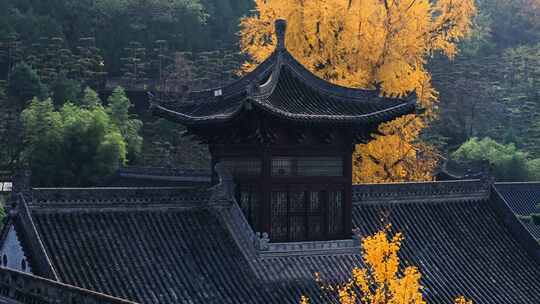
(55,49)
(185,25)
(492,90)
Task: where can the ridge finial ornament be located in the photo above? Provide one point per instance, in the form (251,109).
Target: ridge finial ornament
(263,241)
(281,31)
(223,192)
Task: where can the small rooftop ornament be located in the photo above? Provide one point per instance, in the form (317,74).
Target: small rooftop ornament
(224,190)
(281,30)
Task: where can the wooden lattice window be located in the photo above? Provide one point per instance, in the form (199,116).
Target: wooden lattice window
(279,231)
(300,213)
(307,166)
(296,215)
(243,166)
(335,212)
(315,215)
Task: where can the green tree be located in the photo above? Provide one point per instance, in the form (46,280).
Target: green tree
(65,89)
(534,169)
(129,127)
(90,99)
(25,84)
(88,133)
(75,146)
(509,163)
(43,141)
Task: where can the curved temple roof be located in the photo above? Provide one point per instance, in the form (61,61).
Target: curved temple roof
(284,88)
(171,245)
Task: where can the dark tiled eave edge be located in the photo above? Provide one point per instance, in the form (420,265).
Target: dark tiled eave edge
(249,85)
(194,120)
(374,117)
(33,289)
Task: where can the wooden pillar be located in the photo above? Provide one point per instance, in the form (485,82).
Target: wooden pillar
(213,161)
(347,211)
(266,192)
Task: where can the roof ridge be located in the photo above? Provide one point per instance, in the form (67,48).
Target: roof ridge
(236,86)
(351,106)
(38,254)
(116,197)
(284,58)
(518,183)
(163,170)
(463,190)
(327,87)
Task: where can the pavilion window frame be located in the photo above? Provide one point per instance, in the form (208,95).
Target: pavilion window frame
(315,225)
(295,166)
(323,191)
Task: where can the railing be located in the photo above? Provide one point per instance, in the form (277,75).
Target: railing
(25,288)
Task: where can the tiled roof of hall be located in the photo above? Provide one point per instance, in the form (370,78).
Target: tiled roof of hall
(174,246)
(524,199)
(284,88)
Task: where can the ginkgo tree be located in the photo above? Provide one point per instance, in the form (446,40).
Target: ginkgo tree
(364,44)
(382,280)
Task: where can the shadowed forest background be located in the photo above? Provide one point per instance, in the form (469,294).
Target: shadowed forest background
(68,56)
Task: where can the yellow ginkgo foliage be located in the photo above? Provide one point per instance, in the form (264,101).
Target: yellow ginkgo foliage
(364,43)
(396,156)
(380,281)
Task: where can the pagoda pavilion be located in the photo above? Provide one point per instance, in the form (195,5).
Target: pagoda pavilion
(287,137)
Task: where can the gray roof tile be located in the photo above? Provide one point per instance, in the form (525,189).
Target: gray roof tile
(151,251)
(282,87)
(523,199)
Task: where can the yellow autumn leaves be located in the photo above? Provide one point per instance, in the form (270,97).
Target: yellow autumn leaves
(362,43)
(381,281)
